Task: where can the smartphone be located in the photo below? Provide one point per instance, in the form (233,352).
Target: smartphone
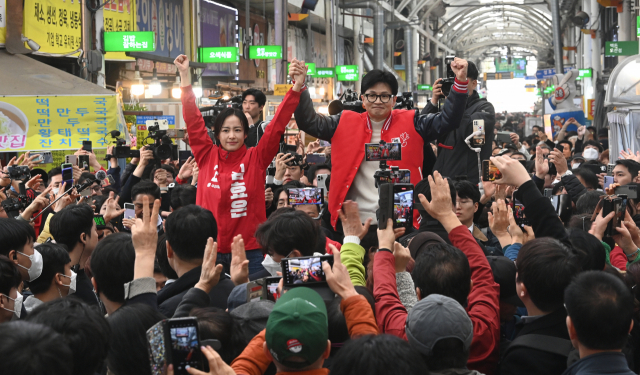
(396,203)
(322,181)
(631,191)
(175,133)
(448,60)
(184,156)
(271,288)
(617,204)
(559,147)
(316,158)
(385,151)
(478,140)
(83,162)
(99,220)
(548,192)
(87,146)
(595,168)
(305,270)
(108,181)
(489,171)
(44,157)
(503,137)
(324,143)
(610,169)
(174,341)
(71,159)
(312,195)
(129,211)
(255,292)
(67,174)
(608,180)
(399,176)
(518,213)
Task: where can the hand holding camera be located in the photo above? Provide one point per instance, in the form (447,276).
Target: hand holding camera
(557,158)
(513,173)
(281,164)
(437,92)
(441,206)
(338,276)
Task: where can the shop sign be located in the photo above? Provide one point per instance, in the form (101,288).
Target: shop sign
(54,24)
(325,72)
(344,69)
(311,69)
(129,41)
(265,52)
(218,54)
(165,18)
(119,15)
(621,48)
(425,88)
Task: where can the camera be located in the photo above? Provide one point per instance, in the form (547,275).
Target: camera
(404,101)
(13,206)
(348,101)
(121,151)
(209,114)
(19,172)
(447,83)
(162,145)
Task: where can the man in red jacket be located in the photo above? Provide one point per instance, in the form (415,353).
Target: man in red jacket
(352,178)
(461,272)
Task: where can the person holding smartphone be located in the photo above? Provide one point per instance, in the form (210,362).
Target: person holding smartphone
(232,176)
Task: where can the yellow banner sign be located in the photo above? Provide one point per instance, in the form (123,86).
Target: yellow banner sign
(54,24)
(281,89)
(3,22)
(55,122)
(119,15)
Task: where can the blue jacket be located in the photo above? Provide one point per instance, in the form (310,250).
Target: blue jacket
(601,363)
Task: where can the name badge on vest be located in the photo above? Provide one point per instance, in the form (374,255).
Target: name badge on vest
(396,140)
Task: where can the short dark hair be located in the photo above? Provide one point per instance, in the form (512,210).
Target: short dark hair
(188,229)
(98,201)
(632,166)
(472,70)
(449,352)
(443,269)
(546,267)
(112,263)
(589,249)
(467,190)
(9,275)
(54,258)
(258,95)
(590,179)
(54,172)
(68,224)
(166,167)
(183,195)
(591,142)
(87,176)
(14,234)
(601,310)
(217,324)
(283,233)
(424,188)
(378,355)
(566,142)
(217,125)
(30,348)
(128,353)
(162,260)
(376,76)
(588,202)
(83,328)
(145,187)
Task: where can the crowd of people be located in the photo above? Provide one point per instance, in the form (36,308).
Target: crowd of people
(471,288)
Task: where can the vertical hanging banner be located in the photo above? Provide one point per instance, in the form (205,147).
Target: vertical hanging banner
(218,29)
(119,15)
(165,18)
(3,22)
(54,24)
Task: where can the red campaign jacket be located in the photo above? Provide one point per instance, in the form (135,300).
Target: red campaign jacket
(483,305)
(353,131)
(231,184)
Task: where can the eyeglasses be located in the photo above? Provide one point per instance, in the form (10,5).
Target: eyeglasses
(96,188)
(384,98)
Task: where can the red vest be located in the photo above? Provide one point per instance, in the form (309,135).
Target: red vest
(347,152)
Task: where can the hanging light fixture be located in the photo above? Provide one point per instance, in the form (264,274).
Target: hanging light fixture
(137,88)
(197,90)
(176,92)
(155,88)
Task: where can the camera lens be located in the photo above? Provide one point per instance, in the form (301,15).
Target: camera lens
(163,152)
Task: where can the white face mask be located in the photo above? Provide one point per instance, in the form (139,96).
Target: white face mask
(36,264)
(55,191)
(270,265)
(575,165)
(17,305)
(72,283)
(590,154)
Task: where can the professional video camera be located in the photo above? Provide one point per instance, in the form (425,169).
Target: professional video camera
(447,83)
(211,113)
(404,101)
(121,151)
(349,101)
(162,145)
(13,206)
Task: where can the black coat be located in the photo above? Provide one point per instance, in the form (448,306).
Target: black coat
(529,361)
(171,295)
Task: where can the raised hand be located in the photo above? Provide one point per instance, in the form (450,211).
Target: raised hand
(144,235)
(239,267)
(402,257)
(350,218)
(459,67)
(437,92)
(210,274)
(216,364)
(186,170)
(557,158)
(440,207)
(338,277)
(112,210)
(513,173)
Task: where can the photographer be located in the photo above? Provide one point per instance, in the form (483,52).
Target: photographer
(253,101)
(455,158)
(234,175)
(349,131)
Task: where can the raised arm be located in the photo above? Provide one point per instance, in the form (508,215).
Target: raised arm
(312,123)
(199,140)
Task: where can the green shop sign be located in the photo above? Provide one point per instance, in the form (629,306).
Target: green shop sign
(265,52)
(218,54)
(129,41)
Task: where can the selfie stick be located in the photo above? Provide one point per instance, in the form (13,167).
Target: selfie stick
(477,151)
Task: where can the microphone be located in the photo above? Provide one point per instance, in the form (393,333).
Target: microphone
(101,175)
(114,133)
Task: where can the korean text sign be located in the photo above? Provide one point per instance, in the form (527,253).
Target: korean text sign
(119,15)
(53,24)
(165,17)
(55,122)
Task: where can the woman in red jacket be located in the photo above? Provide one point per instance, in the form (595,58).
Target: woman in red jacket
(232,177)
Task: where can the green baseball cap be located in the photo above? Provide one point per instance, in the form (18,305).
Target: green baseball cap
(298,327)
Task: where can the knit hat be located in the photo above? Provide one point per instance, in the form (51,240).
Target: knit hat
(298,327)
(237,297)
(434,318)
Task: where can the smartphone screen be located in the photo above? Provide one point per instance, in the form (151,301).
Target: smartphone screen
(87,146)
(608,180)
(316,158)
(478,125)
(272,287)
(185,345)
(99,220)
(305,196)
(83,161)
(518,213)
(129,211)
(254,291)
(489,171)
(378,152)
(307,270)
(402,206)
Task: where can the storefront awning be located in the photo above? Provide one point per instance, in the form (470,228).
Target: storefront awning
(44,108)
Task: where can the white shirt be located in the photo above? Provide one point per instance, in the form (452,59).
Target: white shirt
(363,189)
